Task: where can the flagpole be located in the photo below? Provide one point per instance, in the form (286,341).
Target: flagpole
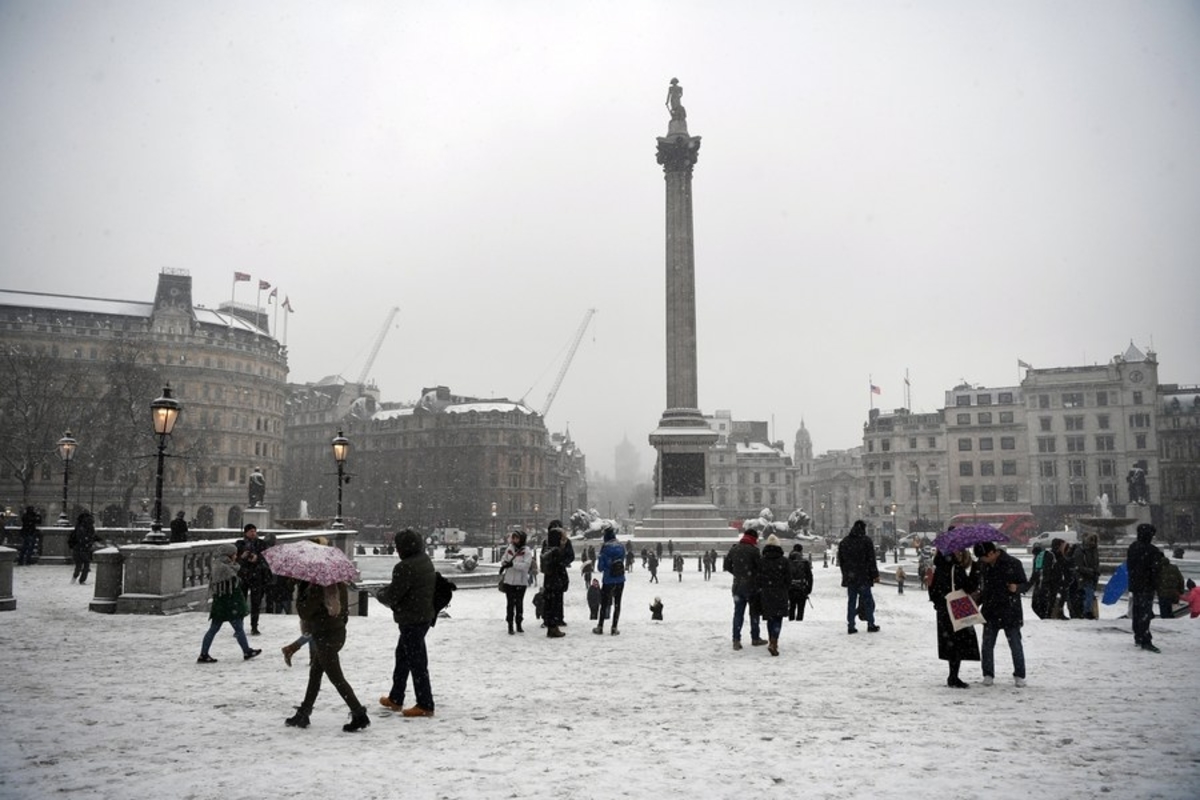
(275,319)
(871,390)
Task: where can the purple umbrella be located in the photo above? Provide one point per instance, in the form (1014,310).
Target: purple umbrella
(966,536)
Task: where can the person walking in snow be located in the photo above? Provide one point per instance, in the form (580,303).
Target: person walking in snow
(28,552)
(744,561)
(323,611)
(775,580)
(652,565)
(856,558)
(410,596)
(612,573)
(228,604)
(255,574)
(80,541)
(802,583)
(557,555)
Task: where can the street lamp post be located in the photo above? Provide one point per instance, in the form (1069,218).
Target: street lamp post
(165,413)
(494,548)
(341,449)
(66,451)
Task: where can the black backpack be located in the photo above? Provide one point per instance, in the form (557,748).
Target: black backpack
(443,593)
(616,568)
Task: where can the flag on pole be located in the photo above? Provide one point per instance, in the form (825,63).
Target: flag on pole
(262,285)
(875,389)
(241,276)
(1021,363)
(287,303)
(906,383)
(273,293)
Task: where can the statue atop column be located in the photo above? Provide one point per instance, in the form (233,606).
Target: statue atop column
(1138,491)
(675,101)
(258,487)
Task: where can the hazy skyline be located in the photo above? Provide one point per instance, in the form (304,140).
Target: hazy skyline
(939,187)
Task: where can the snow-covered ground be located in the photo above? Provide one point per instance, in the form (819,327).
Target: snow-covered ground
(116,706)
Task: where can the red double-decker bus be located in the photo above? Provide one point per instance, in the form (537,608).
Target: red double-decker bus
(1018,526)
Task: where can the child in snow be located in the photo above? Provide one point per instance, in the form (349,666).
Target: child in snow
(593,599)
(656,609)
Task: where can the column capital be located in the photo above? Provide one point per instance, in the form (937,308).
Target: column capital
(678,153)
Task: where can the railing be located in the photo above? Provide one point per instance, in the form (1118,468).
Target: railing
(172,578)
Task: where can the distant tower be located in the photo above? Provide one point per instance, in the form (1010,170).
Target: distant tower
(804,452)
(683,506)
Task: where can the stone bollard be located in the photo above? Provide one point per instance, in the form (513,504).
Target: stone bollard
(108,569)
(8,557)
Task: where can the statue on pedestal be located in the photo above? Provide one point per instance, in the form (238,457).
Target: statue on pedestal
(1138,491)
(257,487)
(675,100)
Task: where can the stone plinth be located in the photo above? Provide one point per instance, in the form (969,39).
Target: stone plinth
(259,517)
(8,557)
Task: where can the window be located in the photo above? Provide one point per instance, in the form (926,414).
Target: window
(1075,422)
(886,445)
(1072,399)
(870,445)
(1008,443)
(1044,424)
(985,418)
(1045,444)
(1102,422)
(1046,469)
(1109,489)
(758,477)
(1049,493)
(1139,441)
(1106,443)
(1137,398)
(966,494)
(1075,444)
(1006,417)
(1005,398)
(963,419)
(887,488)
(964,445)
(983,400)
(1139,420)
(1101,398)
(912,443)
(1076,468)
(1008,468)
(932,442)
(985,443)
(1010,494)
(1043,401)
(962,400)
(871,489)
(987,469)
(987,494)
(966,469)
(885,466)
(1079,494)
(1107,468)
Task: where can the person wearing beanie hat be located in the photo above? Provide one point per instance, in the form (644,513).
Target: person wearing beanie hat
(775,579)
(1144,562)
(802,582)
(611,563)
(557,555)
(745,561)
(856,557)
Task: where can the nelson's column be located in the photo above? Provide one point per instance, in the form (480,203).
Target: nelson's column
(683,509)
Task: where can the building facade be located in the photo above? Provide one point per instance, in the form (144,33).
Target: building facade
(223,365)
(1178,426)
(987,453)
(748,472)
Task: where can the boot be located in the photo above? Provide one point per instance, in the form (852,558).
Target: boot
(510,628)
(299,719)
(773,647)
(758,642)
(358,720)
(519,629)
(599,629)
(554,633)
(288,652)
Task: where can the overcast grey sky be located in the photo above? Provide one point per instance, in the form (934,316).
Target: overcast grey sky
(943,187)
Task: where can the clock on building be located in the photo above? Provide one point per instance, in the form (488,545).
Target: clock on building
(1136,376)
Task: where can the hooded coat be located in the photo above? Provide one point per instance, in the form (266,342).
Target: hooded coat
(411,590)
(856,557)
(744,560)
(948,575)
(774,580)
(1144,562)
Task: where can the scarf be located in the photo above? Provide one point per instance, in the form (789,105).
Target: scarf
(224,577)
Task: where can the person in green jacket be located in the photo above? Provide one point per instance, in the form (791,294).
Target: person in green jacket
(228,604)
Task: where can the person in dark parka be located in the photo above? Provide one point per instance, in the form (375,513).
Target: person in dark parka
(1002,580)
(802,582)
(323,612)
(1144,562)
(952,572)
(557,555)
(80,541)
(856,557)
(744,561)
(774,581)
(410,595)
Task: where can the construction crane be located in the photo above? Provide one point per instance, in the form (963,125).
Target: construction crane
(562,372)
(387,326)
